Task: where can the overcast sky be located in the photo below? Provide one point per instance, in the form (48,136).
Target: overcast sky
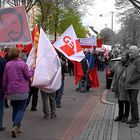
(104,8)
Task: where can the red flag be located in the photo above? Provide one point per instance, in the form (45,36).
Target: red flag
(99,43)
(93,78)
(69,46)
(20,47)
(78,71)
(35,34)
(27,48)
(3,53)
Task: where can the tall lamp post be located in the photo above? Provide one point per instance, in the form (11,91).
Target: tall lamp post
(112,28)
(112,20)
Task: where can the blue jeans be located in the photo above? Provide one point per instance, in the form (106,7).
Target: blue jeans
(59,94)
(1,108)
(19,107)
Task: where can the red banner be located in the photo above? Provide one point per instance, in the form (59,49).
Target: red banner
(13,26)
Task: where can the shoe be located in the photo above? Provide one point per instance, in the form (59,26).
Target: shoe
(34,109)
(58,106)
(124,119)
(53,116)
(2,128)
(118,119)
(46,116)
(132,121)
(14,131)
(19,130)
(133,125)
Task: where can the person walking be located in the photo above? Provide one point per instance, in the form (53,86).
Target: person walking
(16,86)
(70,68)
(118,87)
(82,87)
(34,95)
(49,104)
(2,66)
(133,84)
(60,91)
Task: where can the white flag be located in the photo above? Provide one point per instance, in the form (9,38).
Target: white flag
(68,45)
(31,58)
(47,76)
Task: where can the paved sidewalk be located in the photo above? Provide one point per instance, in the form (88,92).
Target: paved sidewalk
(102,126)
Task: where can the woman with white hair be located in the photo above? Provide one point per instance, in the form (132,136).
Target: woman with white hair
(133,84)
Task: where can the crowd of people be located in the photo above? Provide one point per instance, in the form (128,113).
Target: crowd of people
(16,89)
(15,85)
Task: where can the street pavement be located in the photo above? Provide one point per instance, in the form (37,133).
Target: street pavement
(83,116)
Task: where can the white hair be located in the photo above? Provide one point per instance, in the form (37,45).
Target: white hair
(134,48)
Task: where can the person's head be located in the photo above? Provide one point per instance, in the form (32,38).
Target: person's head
(14,53)
(124,57)
(133,51)
(11,22)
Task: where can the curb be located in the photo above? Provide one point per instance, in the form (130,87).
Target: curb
(103,98)
(115,128)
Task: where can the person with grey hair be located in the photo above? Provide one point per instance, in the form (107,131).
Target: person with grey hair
(117,87)
(133,84)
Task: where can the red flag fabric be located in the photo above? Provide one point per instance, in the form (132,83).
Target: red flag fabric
(99,43)
(35,34)
(78,71)
(93,78)
(27,48)
(20,47)
(3,53)
(69,46)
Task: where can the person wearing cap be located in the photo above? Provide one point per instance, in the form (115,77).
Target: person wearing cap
(133,84)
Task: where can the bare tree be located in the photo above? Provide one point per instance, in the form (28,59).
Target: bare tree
(136,3)
(125,3)
(28,4)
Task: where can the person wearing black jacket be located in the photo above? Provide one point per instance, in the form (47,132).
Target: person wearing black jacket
(83,82)
(2,66)
(34,95)
(59,92)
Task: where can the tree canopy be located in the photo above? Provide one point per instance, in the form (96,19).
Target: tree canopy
(129,16)
(28,4)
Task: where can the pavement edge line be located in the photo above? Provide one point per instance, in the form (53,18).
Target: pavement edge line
(115,125)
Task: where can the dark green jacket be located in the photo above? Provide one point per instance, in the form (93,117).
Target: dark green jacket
(133,74)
